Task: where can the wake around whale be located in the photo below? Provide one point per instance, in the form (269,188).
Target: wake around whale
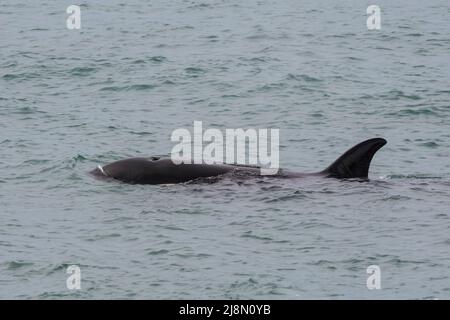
(159,170)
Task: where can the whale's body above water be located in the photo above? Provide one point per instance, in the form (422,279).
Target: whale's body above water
(156,170)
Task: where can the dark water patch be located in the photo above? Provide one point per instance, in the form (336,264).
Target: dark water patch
(158,59)
(154,59)
(142,133)
(194,211)
(312,224)
(194,71)
(397,197)
(342,35)
(10,76)
(270,87)
(351,58)
(316,115)
(248,283)
(249,234)
(141,87)
(259,59)
(231,96)
(398,94)
(157,252)
(408,112)
(400,262)
(295,195)
(330,265)
(211,37)
(26,110)
(429,144)
(103,237)
(202,5)
(305,249)
(422,52)
(82,71)
(303,78)
(21,76)
(5,243)
(135,87)
(193,255)
(77,125)
(383,48)
(119,219)
(139,61)
(172,228)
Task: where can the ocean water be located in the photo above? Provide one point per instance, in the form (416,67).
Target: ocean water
(137,70)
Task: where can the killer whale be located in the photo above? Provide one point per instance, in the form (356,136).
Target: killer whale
(354,163)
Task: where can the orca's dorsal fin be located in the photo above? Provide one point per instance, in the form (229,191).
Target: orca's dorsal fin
(356,161)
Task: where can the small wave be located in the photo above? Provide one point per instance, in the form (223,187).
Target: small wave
(412,176)
(76,159)
(270,87)
(34,162)
(249,234)
(260,36)
(158,59)
(398,94)
(139,87)
(172,228)
(430,144)
(249,283)
(200,6)
(193,255)
(10,76)
(135,87)
(154,59)
(141,133)
(168,82)
(194,71)
(295,195)
(27,110)
(303,77)
(414,112)
(399,261)
(104,236)
(157,252)
(82,71)
(396,198)
(324,263)
(13,265)
(21,76)
(414,34)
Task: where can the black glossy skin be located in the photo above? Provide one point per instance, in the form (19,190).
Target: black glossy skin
(155,170)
